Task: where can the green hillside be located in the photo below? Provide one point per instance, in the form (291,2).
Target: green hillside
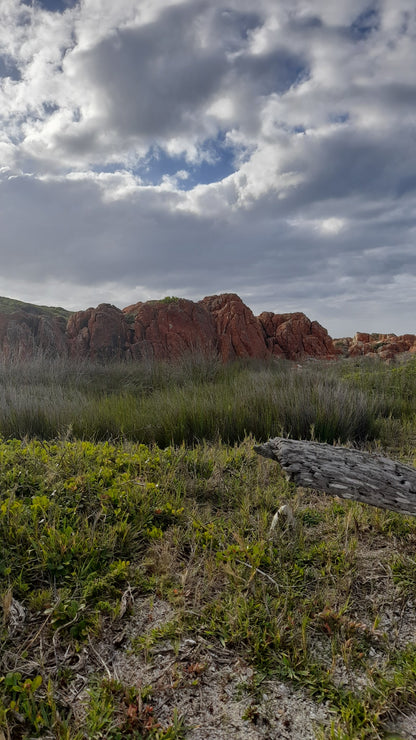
(10,305)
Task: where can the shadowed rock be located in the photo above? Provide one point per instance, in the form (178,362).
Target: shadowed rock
(100,333)
(23,334)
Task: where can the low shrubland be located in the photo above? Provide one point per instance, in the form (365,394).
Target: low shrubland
(139,481)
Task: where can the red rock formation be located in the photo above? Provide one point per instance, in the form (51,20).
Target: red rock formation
(294,336)
(384,346)
(100,333)
(239,332)
(24,333)
(170,328)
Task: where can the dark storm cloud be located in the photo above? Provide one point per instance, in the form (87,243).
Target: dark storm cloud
(87,240)
(54,6)
(159,79)
(153,79)
(233,27)
(365,23)
(350,162)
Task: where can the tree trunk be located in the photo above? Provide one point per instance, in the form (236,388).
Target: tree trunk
(344,472)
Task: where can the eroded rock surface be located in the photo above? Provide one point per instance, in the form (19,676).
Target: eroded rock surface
(23,334)
(294,336)
(239,333)
(100,333)
(170,328)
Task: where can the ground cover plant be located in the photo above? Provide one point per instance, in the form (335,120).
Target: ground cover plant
(132,574)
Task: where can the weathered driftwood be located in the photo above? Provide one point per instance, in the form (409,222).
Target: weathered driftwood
(345,472)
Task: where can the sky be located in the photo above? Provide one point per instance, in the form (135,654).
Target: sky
(194,147)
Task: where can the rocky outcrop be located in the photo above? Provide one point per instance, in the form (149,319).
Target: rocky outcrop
(170,328)
(25,333)
(383,346)
(163,330)
(100,333)
(294,336)
(238,332)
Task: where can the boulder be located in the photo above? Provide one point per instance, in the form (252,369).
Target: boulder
(384,346)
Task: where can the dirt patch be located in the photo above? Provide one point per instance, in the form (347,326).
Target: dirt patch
(211,687)
(214,690)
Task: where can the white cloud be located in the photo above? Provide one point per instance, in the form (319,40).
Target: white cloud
(313,106)
(331,225)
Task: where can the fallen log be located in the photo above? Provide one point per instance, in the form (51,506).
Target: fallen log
(348,473)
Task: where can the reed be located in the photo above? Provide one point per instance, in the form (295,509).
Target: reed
(199,398)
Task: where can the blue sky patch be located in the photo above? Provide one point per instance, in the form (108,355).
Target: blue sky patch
(339,117)
(364,24)
(8,68)
(218,165)
(54,6)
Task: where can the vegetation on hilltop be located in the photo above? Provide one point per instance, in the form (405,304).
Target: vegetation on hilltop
(10,305)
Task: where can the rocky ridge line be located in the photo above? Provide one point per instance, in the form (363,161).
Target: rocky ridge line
(169,328)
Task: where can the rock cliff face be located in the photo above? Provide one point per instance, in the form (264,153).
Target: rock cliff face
(23,333)
(162,330)
(238,332)
(100,333)
(172,327)
(294,336)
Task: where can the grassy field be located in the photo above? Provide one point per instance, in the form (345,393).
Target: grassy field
(137,484)
(201,399)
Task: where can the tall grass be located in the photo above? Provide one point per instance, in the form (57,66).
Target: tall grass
(261,403)
(198,398)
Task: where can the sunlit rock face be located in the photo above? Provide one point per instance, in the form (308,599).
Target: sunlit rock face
(294,336)
(170,328)
(238,332)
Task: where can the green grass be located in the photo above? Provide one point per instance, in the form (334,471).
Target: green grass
(97,505)
(201,399)
(82,522)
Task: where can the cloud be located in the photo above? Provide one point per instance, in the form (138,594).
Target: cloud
(197,146)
